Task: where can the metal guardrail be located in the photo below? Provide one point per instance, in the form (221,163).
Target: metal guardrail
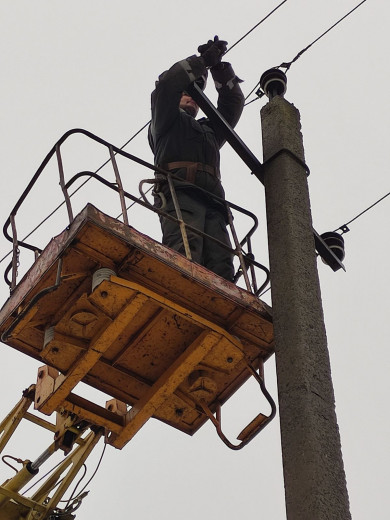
(247,262)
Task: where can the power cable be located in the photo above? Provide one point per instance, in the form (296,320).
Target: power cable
(344,228)
(76,486)
(288,64)
(91,477)
(255,26)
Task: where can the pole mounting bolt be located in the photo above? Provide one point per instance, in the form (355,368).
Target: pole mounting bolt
(273,82)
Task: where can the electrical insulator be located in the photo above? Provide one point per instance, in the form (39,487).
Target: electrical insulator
(335,242)
(274,83)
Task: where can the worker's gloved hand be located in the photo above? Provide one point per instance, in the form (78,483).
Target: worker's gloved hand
(212,51)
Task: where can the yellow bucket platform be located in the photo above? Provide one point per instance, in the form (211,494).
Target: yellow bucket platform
(109,306)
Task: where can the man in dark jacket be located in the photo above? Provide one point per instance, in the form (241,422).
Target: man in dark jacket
(189,148)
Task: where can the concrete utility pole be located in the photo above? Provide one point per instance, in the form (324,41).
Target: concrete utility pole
(314,478)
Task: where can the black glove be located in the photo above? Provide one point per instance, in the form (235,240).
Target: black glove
(212,51)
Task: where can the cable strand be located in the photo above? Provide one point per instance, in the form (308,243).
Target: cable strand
(344,227)
(255,26)
(288,64)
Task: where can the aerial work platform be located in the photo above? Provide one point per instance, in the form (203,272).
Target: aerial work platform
(109,306)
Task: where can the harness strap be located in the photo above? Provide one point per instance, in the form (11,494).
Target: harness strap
(192,168)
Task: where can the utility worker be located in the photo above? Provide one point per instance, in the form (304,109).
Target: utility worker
(189,148)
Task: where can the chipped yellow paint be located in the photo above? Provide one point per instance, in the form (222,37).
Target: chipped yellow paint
(166,385)
(93,354)
(179,309)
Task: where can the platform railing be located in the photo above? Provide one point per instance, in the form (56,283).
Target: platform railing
(242,248)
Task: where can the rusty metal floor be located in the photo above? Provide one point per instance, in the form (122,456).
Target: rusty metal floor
(159,335)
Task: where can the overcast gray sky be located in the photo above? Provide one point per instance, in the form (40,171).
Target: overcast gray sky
(92,64)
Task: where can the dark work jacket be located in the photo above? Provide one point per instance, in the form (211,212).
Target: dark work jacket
(174,135)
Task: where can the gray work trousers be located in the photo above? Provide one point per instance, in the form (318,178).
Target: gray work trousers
(199,213)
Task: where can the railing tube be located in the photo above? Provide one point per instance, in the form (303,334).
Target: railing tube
(238,250)
(15,253)
(120,186)
(62,184)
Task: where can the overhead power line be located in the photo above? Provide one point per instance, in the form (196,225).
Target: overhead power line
(288,64)
(255,26)
(344,228)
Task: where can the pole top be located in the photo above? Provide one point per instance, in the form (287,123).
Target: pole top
(273,82)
